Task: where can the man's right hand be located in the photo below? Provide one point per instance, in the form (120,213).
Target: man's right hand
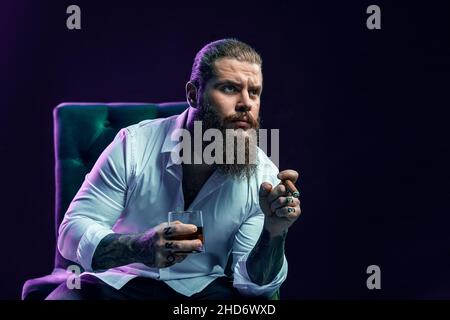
(156,248)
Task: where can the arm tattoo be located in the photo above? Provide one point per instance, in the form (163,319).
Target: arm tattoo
(266,258)
(121,249)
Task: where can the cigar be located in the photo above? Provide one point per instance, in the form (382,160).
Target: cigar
(291,188)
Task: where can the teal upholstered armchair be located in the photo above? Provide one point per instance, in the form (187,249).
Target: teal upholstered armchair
(81,132)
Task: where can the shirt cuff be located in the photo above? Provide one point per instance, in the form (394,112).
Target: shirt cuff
(88,243)
(244,285)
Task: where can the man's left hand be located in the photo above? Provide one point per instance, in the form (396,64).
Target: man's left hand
(280,208)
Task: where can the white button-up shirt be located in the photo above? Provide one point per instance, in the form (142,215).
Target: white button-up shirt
(132,187)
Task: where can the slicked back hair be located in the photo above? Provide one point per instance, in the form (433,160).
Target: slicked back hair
(203,67)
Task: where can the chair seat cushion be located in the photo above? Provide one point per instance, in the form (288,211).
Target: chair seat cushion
(40,288)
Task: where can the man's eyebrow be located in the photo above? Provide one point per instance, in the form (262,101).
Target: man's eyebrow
(235,83)
(257,87)
(228,81)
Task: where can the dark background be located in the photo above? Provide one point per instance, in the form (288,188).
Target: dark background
(363,117)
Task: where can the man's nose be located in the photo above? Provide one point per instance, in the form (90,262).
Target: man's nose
(245,104)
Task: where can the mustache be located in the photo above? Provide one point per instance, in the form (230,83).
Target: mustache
(247,117)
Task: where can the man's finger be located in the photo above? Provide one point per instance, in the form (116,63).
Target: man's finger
(288,212)
(276,192)
(288,175)
(284,201)
(177,229)
(170,259)
(183,246)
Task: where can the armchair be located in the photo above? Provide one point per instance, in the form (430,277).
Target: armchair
(81,132)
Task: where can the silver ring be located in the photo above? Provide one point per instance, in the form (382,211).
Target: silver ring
(170,258)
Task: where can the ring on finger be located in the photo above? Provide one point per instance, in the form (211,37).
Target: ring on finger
(170,258)
(289,200)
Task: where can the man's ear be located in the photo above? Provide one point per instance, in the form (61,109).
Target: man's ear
(191,94)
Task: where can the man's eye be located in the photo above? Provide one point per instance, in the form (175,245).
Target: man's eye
(254,92)
(229,89)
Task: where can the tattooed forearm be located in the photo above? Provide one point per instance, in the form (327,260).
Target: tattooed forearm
(121,249)
(266,258)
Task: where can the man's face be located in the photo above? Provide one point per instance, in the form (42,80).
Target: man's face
(230,100)
(234,93)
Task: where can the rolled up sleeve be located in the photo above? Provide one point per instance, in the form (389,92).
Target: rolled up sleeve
(244,241)
(99,202)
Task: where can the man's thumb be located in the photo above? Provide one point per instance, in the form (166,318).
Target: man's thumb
(264,189)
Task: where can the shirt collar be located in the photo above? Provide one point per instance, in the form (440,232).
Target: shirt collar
(177,123)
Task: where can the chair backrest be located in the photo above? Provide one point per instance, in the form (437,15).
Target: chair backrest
(81,132)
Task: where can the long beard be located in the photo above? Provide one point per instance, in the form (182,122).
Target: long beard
(211,119)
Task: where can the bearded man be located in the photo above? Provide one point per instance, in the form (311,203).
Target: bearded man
(116,226)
